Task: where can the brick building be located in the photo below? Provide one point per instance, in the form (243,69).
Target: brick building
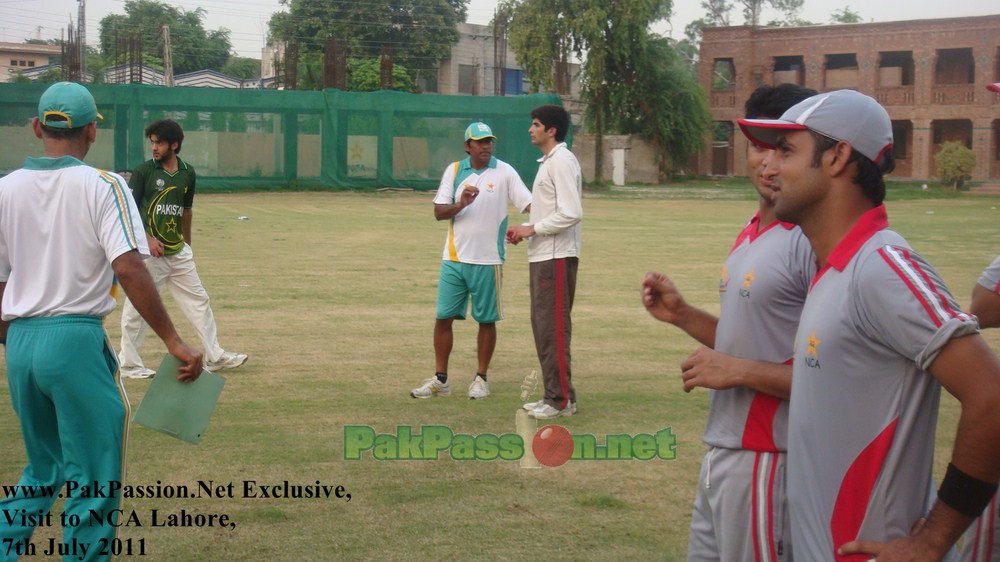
(931,76)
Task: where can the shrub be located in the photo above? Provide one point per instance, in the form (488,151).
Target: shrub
(955,163)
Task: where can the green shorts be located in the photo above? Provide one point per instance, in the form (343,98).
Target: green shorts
(458,281)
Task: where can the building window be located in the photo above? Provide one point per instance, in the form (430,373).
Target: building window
(427,81)
(467,83)
(789,70)
(895,68)
(901,133)
(13,62)
(841,71)
(723,74)
(31,63)
(996,70)
(952,130)
(513,82)
(996,140)
(955,66)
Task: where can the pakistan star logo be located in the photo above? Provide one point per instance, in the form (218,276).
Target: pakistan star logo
(747,281)
(357,152)
(812,350)
(171,225)
(489,187)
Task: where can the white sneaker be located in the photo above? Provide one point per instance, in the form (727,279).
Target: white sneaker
(432,387)
(227,360)
(532,405)
(545,412)
(137,373)
(479,388)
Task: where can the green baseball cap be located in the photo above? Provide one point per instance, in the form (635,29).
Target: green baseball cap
(67,105)
(478,131)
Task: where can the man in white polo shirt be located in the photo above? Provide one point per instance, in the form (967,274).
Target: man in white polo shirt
(67,231)
(878,338)
(473,197)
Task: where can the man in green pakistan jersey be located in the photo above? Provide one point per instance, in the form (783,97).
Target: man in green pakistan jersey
(164,188)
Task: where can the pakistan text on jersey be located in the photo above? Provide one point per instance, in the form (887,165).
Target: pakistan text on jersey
(175,210)
(202,489)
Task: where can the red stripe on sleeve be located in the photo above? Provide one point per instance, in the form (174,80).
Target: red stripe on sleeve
(912,286)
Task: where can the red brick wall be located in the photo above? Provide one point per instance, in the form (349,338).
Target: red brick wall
(926,101)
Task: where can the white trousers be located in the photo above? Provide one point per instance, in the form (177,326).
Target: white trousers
(185,286)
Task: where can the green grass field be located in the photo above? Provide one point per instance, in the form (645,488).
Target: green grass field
(332,295)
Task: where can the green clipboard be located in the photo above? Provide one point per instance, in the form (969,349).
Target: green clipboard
(181,410)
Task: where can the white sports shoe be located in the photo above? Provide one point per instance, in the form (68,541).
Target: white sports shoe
(479,388)
(432,387)
(227,360)
(137,373)
(532,405)
(545,412)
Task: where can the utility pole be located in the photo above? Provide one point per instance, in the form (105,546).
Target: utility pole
(81,36)
(168,59)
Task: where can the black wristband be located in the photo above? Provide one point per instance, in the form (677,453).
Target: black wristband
(965,494)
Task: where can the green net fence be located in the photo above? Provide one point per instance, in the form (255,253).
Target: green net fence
(265,139)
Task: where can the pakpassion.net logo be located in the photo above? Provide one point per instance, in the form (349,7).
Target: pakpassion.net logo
(551,445)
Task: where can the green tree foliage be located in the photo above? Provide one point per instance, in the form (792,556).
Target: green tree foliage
(955,163)
(419,32)
(717,14)
(845,15)
(193,47)
(752,9)
(366,76)
(662,102)
(244,68)
(541,31)
(632,81)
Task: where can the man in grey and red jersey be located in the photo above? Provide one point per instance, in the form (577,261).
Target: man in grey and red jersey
(878,338)
(739,513)
(982,540)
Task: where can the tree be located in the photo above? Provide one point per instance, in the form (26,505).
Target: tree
(632,82)
(716,13)
(419,32)
(193,48)
(752,9)
(845,15)
(955,163)
(663,103)
(366,76)
(241,67)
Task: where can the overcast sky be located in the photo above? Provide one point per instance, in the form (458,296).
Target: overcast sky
(247,19)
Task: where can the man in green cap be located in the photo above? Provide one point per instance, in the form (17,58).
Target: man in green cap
(473,197)
(67,231)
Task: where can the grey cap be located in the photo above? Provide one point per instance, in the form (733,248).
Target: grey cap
(843,115)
